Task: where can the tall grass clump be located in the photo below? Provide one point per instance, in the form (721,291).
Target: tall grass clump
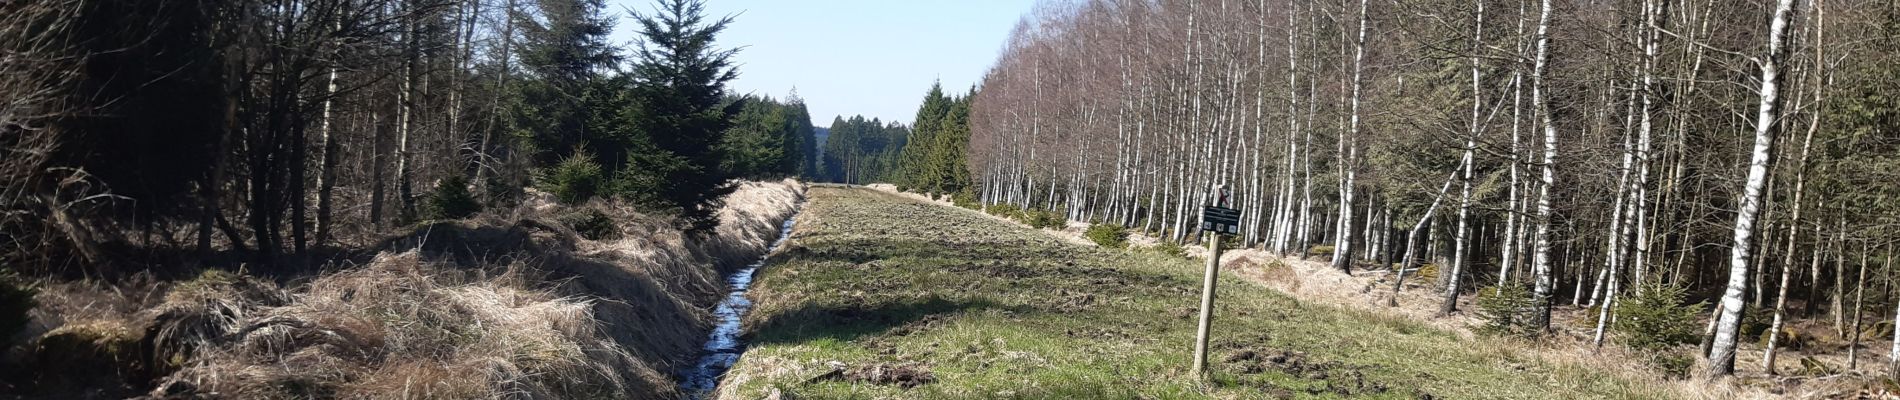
(1112,236)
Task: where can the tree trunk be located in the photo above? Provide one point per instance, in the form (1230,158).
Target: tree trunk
(1342,248)
(1412,248)
(1722,355)
(1540,256)
(326,170)
(405,104)
(1471,145)
(1860,294)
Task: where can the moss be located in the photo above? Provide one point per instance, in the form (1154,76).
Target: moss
(1322,251)
(90,353)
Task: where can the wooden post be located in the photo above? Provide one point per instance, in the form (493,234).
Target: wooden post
(1219,199)
(1207,303)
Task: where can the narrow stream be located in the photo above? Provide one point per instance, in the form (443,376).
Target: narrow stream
(723,346)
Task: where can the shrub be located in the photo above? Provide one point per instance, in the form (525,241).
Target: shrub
(451,200)
(966,199)
(1171,249)
(591,224)
(16,300)
(1656,322)
(501,191)
(575,180)
(1655,318)
(1324,250)
(1112,236)
(1040,219)
(1507,311)
(1004,210)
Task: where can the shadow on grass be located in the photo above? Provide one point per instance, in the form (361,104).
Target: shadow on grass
(847,322)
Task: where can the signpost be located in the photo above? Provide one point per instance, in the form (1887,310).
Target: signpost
(1216,219)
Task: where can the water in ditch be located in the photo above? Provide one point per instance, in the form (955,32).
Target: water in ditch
(723,346)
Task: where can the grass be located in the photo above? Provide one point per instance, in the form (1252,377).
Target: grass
(512,305)
(983,309)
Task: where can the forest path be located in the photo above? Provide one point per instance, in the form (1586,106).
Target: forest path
(879,295)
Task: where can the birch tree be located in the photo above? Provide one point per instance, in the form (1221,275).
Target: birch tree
(1722,355)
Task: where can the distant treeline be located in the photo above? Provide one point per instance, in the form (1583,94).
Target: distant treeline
(926,157)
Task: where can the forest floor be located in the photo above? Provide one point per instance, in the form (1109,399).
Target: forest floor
(882,295)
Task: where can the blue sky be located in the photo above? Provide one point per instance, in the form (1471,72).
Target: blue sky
(846,57)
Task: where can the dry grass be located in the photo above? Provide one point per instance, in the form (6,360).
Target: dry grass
(510,304)
(1371,292)
(405,327)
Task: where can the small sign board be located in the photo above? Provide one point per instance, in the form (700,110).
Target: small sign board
(1220,220)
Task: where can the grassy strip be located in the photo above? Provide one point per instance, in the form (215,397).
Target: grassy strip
(878,296)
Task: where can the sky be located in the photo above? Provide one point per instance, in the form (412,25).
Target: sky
(876,58)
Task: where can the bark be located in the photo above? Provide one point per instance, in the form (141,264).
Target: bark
(1540,256)
(405,111)
(1722,355)
(1412,248)
(326,170)
(1787,260)
(1342,248)
(1471,144)
(1860,294)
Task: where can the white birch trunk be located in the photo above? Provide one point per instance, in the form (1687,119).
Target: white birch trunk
(1540,253)
(1342,248)
(1471,145)
(1722,353)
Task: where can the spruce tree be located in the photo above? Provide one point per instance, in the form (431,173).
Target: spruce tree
(680,80)
(566,51)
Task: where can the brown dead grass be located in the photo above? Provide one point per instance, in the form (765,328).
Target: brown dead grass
(405,325)
(1371,291)
(510,304)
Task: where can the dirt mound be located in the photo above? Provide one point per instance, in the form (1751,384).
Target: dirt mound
(1334,377)
(906,375)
